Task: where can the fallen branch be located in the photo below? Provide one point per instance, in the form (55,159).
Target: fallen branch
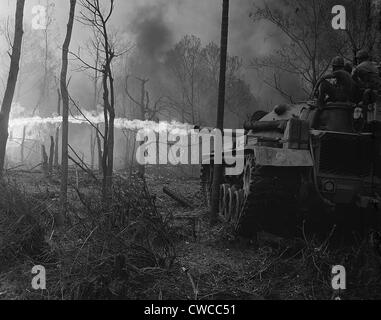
(83,168)
(86,118)
(15,168)
(180,199)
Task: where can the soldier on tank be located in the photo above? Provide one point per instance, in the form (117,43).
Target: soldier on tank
(367,76)
(366,73)
(343,88)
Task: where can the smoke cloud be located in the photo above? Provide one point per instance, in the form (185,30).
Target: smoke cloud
(153,26)
(153,35)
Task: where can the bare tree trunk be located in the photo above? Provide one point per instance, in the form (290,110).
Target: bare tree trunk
(128,151)
(111,137)
(56,151)
(100,153)
(218,168)
(44,157)
(65,113)
(93,137)
(133,154)
(11,83)
(108,148)
(105,147)
(95,16)
(23,145)
(92,148)
(51,155)
(142,170)
(19,83)
(110,160)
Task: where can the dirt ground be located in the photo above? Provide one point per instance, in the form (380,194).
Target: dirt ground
(224,268)
(209,263)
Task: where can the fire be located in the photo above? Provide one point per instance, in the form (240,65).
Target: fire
(36,131)
(120,123)
(18,121)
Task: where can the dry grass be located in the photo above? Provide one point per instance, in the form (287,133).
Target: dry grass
(140,247)
(24,220)
(108,252)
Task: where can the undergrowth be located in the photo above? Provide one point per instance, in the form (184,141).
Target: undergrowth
(128,249)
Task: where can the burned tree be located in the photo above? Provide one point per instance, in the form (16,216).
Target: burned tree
(65,112)
(147,110)
(51,155)
(94,16)
(142,108)
(184,61)
(218,168)
(93,139)
(57,136)
(306,53)
(12,80)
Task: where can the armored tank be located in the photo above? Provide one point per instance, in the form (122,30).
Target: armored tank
(308,169)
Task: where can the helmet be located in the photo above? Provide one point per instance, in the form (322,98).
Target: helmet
(362,55)
(338,62)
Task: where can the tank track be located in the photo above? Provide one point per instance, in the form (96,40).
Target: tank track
(270,204)
(267,202)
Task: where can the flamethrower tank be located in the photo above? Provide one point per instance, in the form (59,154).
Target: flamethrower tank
(307,169)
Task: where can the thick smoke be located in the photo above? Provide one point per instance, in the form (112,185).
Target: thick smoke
(156,25)
(153,36)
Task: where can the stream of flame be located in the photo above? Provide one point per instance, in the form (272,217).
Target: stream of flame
(120,123)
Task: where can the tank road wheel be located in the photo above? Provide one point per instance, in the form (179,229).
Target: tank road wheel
(206,184)
(270,203)
(248,174)
(239,201)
